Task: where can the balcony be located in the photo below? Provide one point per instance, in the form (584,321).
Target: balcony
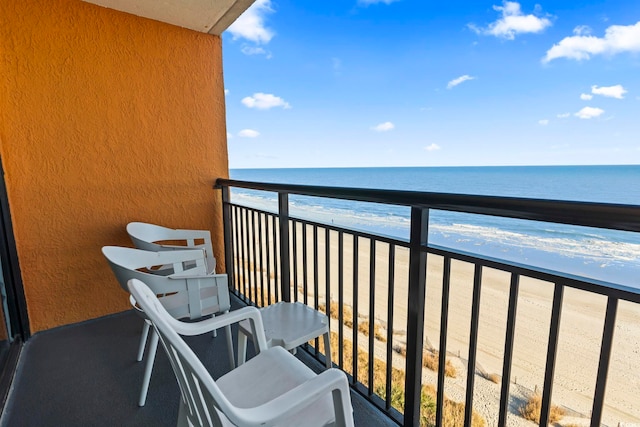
(85,374)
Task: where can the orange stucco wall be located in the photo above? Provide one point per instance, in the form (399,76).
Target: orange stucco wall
(105,118)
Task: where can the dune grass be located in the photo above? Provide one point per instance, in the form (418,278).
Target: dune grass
(531,409)
(430,361)
(453,414)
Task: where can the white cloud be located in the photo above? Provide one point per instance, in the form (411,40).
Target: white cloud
(457,81)
(589,113)
(432,147)
(543,122)
(616,91)
(617,39)
(264,101)
(513,22)
(383,127)
(250,25)
(226,91)
(585,96)
(253,50)
(582,30)
(229,136)
(370,2)
(563,115)
(248,133)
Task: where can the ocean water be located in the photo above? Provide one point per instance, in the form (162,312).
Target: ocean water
(611,256)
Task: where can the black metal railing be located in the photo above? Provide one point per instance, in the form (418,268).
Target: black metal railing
(272,256)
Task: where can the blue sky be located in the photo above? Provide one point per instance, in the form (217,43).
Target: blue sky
(358,83)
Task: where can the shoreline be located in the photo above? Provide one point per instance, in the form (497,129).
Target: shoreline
(604,255)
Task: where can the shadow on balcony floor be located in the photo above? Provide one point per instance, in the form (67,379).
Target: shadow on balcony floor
(86,375)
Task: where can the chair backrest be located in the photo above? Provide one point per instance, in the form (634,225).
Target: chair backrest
(186,292)
(156,238)
(201,397)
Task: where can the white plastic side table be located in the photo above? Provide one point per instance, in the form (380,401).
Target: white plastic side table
(287,325)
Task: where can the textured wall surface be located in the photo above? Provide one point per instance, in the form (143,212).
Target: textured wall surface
(105,118)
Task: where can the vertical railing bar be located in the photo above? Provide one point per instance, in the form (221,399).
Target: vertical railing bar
(442,355)
(340,298)
(254,256)
(236,254)
(247,254)
(327,268)
(285,278)
(276,260)
(508,349)
(315,279)
(294,234)
(355,311)
(372,312)
(249,236)
(605,357)
(473,343)
(261,256)
(419,233)
(552,351)
(391,280)
(227,231)
(305,267)
(242,248)
(316,285)
(268,224)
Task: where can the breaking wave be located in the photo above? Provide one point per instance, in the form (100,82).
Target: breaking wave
(608,255)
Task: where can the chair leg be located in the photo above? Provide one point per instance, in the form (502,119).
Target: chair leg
(343,409)
(242,348)
(143,340)
(183,419)
(327,350)
(215,331)
(151,357)
(232,361)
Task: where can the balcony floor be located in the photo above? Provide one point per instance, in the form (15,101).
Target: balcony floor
(86,375)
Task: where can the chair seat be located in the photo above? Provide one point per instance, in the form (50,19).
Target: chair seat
(268,375)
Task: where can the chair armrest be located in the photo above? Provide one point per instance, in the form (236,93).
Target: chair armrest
(179,247)
(193,234)
(186,254)
(222,320)
(182,276)
(331,380)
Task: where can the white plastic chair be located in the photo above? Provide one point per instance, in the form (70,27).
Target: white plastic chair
(151,237)
(272,389)
(186,292)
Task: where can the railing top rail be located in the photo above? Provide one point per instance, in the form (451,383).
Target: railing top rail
(600,215)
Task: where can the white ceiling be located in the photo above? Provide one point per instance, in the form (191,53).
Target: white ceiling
(206,16)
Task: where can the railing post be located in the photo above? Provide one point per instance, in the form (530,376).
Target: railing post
(605,356)
(226,227)
(283,216)
(415,318)
(552,351)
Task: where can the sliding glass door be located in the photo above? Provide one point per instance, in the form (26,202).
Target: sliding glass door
(14,326)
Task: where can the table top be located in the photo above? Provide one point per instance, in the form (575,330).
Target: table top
(289,324)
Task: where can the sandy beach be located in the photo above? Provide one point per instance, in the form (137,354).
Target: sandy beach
(579,343)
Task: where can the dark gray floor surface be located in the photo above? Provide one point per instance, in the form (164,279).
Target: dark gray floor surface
(86,375)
